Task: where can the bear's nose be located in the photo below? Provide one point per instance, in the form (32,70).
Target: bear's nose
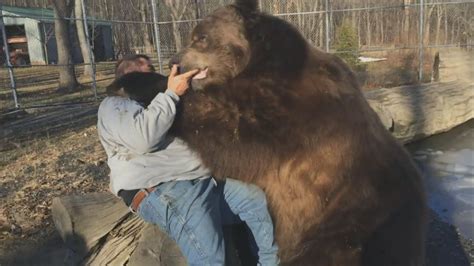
(175,60)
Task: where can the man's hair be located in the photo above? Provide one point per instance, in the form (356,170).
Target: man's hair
(129,60)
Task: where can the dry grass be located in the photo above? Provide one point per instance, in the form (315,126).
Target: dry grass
(37,85)
(38,170)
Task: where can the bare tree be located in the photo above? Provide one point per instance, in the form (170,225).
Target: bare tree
(439,17)
(406,22)
(67,75)
(83,42)
(146,29)
(444,24)
(178,9)
(427,30)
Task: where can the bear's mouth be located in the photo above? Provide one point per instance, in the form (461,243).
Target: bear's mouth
(201,75)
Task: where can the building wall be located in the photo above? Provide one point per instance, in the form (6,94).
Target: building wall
(33,36)
(41,54)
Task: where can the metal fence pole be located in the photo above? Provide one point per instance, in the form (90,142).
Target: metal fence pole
(91,57)
(421,33)
(157,34)
(328,38)
(7,58)
(260,6)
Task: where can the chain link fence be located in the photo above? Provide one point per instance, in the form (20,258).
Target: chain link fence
(388,43)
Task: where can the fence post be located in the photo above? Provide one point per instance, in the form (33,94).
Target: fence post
(328,37)
(260,6)
(420,46)
(91,57)
(157,34)
(7,58)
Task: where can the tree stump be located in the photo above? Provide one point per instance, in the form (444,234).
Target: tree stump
(100,230)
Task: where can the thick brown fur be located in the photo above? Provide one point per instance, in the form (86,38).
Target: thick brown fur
(278,113)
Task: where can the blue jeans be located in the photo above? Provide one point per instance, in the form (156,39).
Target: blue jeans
(191,213)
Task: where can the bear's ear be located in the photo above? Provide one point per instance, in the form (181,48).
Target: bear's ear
(250,5)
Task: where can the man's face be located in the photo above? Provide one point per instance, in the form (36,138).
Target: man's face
(145,65)
(137,65)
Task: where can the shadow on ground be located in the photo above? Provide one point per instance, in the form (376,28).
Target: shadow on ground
(50,252)
(444,245)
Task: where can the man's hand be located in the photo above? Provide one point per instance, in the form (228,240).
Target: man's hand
(180,83)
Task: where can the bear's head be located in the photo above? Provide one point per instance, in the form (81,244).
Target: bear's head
(239,40)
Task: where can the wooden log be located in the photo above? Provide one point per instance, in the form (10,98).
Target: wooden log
(97,237)
(156,248)
(100,230)
(72,218)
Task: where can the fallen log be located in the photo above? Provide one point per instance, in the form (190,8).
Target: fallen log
(100,230)
(415,112)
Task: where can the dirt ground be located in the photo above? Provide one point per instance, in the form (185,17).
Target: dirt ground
(56,152)
(42,156)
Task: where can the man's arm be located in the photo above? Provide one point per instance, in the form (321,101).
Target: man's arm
(139,129)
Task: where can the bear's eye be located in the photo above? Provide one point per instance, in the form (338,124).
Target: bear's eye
(202,38)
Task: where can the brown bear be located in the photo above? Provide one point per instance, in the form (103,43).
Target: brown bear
(270,109)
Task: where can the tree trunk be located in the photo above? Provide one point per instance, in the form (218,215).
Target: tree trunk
(406,24)
(177,36)
(446,39)
(382,32)
(100,230)
(368,29)
(177,9)
(458,33)
(146,29)
(439,14)
(67,75)
(83,42)
(321,31)
(377,30)
(453,27)
(112,235)
(427,31)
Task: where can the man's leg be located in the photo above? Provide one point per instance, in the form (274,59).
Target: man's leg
(249,203)
(189,212)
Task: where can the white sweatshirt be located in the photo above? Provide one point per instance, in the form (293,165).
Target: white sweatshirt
(140,154)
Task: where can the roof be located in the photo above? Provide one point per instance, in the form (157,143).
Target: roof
(34,13)
(42,14)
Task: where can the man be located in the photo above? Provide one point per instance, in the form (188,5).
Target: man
(166,184)
(133,63)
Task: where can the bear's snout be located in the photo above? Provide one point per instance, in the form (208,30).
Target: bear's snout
(175,60)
